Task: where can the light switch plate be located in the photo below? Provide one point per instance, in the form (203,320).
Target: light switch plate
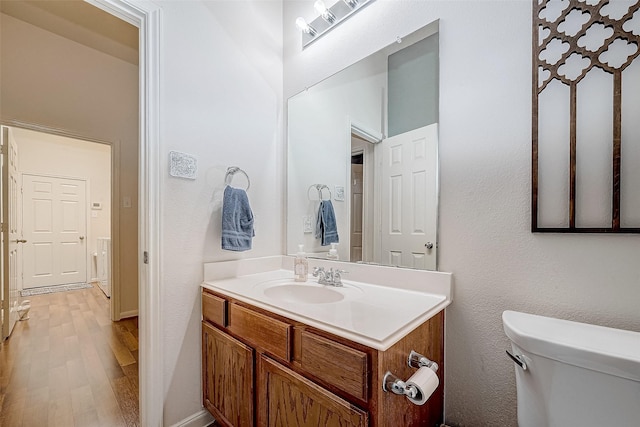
(307,221)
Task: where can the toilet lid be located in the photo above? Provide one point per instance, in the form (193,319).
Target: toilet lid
(607,350)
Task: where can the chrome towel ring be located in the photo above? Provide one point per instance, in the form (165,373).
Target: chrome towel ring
(319,188)
(231,171)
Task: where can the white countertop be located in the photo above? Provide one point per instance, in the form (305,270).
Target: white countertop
(371,314)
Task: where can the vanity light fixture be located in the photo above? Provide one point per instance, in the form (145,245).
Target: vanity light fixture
(329,17)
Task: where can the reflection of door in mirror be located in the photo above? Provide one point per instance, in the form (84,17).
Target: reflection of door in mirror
(409,182)
(363,194)
(357,185)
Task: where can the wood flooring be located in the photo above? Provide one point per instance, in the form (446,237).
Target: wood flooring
(69,365)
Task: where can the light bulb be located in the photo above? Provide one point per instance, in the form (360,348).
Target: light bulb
(351,3)
(326,14)
(304,27)
(320,7)
(302,24)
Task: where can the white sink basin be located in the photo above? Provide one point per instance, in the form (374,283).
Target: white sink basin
(310,292)
(303,293)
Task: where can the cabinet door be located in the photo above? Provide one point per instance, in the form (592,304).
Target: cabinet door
(227,372)
(288,399)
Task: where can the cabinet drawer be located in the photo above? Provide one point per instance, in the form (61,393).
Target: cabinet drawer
(334,363)
(214,309)
(261,331)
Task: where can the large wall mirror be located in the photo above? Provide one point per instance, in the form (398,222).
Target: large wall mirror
(362,158)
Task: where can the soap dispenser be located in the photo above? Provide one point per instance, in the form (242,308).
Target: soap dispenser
(301,265)
(333,252)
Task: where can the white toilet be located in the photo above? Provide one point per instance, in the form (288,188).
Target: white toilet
(574,374)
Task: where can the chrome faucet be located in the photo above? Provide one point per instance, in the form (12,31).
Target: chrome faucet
(320,274)
(330,277)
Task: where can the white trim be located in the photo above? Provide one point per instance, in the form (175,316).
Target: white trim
(116,289)
(369,224)
(200,419)
(130,313)
(146,16)
(366,133)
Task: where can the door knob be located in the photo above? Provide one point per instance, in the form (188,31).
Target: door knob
(428,245)
(21,241)
(81,237)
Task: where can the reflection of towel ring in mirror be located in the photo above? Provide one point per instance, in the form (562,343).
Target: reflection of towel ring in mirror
(319,188)
(231,171)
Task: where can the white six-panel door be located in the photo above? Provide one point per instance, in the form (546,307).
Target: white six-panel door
(409,183)
(54,225)
(11,238)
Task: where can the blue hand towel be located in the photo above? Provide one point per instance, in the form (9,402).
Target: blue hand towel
(237,220)
(326,226)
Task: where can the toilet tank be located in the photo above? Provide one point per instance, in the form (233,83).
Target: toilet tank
(577,374)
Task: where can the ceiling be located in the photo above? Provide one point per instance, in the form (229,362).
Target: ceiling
(81,22)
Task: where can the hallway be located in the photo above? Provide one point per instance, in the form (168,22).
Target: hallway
(69,365)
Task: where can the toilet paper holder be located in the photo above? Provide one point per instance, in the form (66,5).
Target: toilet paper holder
(416,360)
(392,383)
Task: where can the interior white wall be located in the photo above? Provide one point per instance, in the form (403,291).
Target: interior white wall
(319,146)
(221,102)
(51,81)
(46,154)
(485,157)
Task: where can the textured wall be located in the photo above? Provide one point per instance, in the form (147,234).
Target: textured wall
(221,101)
(485,148)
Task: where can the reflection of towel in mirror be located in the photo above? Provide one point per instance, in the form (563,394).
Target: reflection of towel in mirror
(237,220)
(326,227)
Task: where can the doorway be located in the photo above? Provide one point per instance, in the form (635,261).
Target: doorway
(66,191)
(364,206)
(357,205)
(77,88)
(48,255)
(146,18)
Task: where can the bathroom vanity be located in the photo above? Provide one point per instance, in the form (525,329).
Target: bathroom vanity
(276,352)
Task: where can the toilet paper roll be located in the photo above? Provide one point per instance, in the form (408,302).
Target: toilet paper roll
(425,381)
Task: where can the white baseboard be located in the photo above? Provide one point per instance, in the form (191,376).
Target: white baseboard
(201,419)
(130,313)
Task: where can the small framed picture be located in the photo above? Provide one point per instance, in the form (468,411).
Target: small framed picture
(338,194)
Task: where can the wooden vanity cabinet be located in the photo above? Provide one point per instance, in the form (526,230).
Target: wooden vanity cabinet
(262,369)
